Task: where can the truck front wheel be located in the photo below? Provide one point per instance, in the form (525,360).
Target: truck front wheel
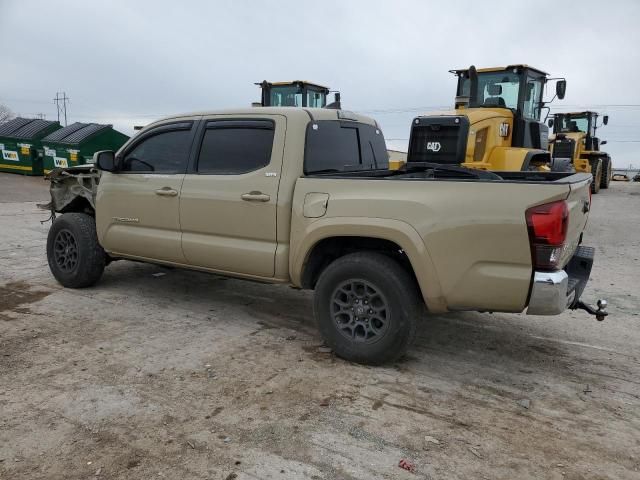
(75,257)
(367,308)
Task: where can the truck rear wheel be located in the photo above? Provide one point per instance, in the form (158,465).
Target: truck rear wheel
(596,171)
(75,257)
(367,307)
(606,172)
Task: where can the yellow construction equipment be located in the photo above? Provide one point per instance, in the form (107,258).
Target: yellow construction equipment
(574,146)
(296,93)
(496,124)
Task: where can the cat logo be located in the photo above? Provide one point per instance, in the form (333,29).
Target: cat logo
(434,146)
(504,129)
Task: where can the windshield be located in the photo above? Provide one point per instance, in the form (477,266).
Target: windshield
(495,89)
(568,124)
(294,96)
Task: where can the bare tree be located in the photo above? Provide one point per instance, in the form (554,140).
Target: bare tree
(5,114)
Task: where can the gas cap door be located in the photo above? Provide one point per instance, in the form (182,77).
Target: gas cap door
(315,204)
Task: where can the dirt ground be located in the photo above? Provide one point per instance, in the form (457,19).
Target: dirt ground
(159,373)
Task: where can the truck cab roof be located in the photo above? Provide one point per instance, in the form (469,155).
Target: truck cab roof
(295,113)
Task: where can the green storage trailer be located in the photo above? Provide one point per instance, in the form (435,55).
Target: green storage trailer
(20,143)
(75,144)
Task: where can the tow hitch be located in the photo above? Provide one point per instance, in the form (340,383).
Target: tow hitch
(600,312)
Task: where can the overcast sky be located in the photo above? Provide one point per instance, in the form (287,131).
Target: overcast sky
(130,62)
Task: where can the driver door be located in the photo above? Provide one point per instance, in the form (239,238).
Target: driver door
(138,213)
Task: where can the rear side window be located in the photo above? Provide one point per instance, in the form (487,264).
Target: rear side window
(343,146)
(165,152)
(235,147)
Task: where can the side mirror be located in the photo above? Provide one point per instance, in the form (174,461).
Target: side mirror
(605,119)
(550,123)
(604,142)
(105,160)
(561,88)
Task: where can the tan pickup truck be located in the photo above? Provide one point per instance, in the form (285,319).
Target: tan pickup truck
(305,197)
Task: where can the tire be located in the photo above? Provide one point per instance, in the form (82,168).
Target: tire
(360,281)
(606,172)
(75,257)
(596,171)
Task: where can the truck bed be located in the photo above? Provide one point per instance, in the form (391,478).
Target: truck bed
(473,231)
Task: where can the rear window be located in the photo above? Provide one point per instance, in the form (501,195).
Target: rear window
(343,146)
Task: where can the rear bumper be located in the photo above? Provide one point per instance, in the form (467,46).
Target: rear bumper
(553,292)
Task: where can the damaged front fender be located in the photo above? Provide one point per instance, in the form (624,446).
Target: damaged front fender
(72,189)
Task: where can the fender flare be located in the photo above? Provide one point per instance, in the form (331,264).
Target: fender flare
(396,231)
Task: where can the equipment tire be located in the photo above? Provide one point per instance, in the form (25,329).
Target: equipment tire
(596,171)
(607,172)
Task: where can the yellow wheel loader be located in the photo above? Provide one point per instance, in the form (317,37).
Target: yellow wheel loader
(574,146)
(296,93)
(495,125)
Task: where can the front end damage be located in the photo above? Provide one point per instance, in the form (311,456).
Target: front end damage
(72,189)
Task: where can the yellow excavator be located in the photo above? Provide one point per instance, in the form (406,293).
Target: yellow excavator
(574,146)
(496,124)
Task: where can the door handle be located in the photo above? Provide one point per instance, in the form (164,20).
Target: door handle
(255,197)
(166,192)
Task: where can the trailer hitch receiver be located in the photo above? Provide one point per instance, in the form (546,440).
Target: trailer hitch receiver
(600,311)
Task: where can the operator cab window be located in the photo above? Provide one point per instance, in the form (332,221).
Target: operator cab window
(286,96)
(532,99)
(236,147)
(573,124)
(495,89)
(164,150)
(315,99)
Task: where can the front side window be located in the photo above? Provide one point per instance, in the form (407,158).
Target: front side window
(340,146)
(165,152)
(235,147)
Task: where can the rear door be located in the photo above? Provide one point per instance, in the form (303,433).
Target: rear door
(229,196)
(138,207)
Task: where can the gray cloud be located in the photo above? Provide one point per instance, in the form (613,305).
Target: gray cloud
(128,63)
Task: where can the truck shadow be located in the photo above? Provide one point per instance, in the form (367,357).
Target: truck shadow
(468,338)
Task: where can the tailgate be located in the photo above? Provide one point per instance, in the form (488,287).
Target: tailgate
(579,203)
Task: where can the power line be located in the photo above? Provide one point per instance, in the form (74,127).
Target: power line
(61,108)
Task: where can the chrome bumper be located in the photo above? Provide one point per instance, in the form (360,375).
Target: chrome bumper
(553,292)
(549,294)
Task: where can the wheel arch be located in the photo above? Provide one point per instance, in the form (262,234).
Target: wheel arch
(328,239)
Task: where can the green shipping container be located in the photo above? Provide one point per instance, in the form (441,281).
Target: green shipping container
(75,144)
(20,144)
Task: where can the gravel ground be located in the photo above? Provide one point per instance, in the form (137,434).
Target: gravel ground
(159,373)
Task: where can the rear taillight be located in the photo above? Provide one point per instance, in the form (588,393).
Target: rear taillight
(547,233)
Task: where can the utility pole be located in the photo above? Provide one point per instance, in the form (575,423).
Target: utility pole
(61,104)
